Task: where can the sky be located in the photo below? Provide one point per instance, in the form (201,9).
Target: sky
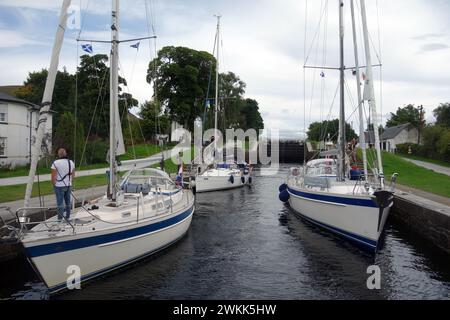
(264,42)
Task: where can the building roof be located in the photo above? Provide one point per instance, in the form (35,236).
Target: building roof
(11,90)
(9,98)
(391,133)
(388,134)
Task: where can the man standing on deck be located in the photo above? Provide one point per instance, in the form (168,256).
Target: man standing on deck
(63,172)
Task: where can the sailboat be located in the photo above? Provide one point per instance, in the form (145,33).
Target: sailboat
(325,192)
(220,176)
(143,214)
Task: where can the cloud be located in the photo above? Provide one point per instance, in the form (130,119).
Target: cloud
(433,47)
(263,43)
(14,39)
(429,36)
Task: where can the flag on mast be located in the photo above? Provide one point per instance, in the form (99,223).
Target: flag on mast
(87,47)
(136,45)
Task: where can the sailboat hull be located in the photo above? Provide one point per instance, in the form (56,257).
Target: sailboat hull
(95,255)
(356,218)
(211,183)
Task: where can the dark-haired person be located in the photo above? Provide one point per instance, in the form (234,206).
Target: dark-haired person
(63,172)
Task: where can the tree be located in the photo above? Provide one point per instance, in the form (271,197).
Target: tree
(408,114)
(180,76)
(92,99)
(443,145)
(232,90)
(66,138)
(442,114)
(63,95)
(153,120)
(94,94)
(319,131)
(251,115)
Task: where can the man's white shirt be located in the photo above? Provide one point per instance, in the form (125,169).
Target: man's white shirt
(63,179)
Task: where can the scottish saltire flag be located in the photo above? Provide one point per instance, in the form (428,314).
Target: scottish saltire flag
(136,45)
(87,48)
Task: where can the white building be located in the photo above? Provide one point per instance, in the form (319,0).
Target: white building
(18,124)
(392,137)
(402,134)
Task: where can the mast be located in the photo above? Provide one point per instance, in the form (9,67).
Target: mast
(341,173)
(362,138)
(114,99)
(47,99)
(370,92)
(217,85)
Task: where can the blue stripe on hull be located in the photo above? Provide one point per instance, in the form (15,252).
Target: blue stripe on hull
(59,247)
(63,286)
(365,243)
(333,199)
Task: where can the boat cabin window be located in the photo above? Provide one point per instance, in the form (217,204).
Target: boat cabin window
(326,168)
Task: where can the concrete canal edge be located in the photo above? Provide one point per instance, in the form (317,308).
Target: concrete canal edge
(428,219)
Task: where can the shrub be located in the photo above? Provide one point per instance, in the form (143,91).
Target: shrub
(96,151)
(416,150)
(443,145)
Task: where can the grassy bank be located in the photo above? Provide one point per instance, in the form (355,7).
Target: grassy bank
(17,192)
(141,151)
(416,177)
(171,167)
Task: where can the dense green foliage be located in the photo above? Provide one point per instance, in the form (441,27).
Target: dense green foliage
(435,142)
(442,114)
(319,131)
(88,110)
(408,114)
(185,86)
(181,78)
(153,119)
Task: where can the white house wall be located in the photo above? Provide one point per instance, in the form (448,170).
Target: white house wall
(17,132)
(406,136)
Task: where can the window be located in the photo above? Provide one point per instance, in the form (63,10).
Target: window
(3,147)
(3,112)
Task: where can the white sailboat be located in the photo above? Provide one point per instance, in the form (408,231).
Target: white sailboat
(323,193)
(144,213)
(220,176)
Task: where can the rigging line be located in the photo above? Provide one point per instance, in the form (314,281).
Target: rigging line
(154,68)
(381,57)
(324,60)
(315,36)
(76,109)
(83,17)
(378,55)
(314,76)
(324,130)
(128,116)
(209,79)
(304,81)
(93,117)
(155,89)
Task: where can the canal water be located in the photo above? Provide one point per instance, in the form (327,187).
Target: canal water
(245,244)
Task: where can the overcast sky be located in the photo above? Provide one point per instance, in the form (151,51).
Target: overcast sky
(263,43)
